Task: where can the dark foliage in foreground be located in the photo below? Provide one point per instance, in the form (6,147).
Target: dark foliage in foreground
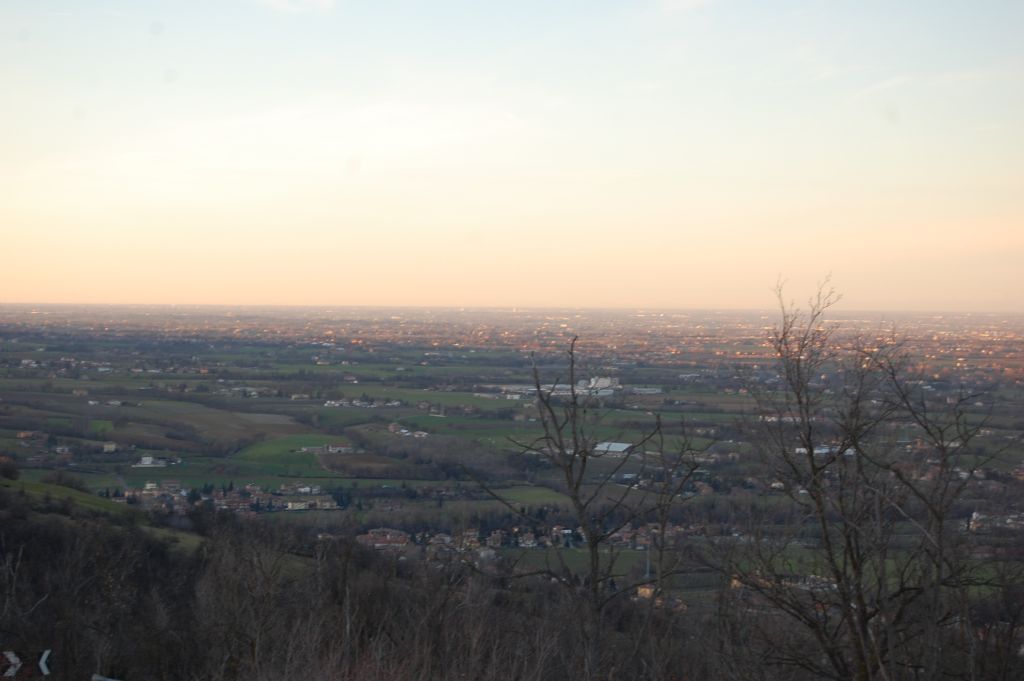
(121,599)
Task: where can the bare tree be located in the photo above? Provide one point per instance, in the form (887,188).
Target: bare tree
(603,502)
(870,566)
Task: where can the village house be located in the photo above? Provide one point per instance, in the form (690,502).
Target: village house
(319,502)
(384,539)
(470,540)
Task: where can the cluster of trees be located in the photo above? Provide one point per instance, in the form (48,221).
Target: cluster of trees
(257,604)
(251,603)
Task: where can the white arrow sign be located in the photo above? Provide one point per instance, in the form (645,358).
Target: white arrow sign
(45,670)
(12,660)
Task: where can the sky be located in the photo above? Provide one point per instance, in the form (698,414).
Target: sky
(659,153)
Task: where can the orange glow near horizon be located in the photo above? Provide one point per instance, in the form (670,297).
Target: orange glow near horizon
(316,165)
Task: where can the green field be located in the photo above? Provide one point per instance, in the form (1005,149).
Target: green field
(99,427)
(43,491)
(532,496)
(95,479)
(282,456)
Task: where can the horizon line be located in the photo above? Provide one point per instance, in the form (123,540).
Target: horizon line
(513,308)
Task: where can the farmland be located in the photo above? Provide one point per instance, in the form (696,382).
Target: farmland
(415,420)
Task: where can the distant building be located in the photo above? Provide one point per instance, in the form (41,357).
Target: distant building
(496,539)
(613,449)
(384,538)
(599,383)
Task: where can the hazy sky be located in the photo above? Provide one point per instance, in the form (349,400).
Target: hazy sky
(672,153)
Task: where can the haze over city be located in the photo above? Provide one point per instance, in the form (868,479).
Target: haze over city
(661,154)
